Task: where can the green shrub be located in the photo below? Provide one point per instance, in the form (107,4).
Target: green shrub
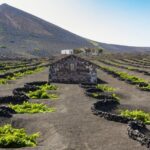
(53,96)
(3,81)
(2,46)
(21,74)
(28,72)
(113,96)
(10,78)
(137,115)
(105,88)
(95,95)
(15,138)
(38,94)
(2,71)
(18,74)
(145,88)
(41,94)
(36,49)
(27,107)
(39,69)
(48,87)
(124,76)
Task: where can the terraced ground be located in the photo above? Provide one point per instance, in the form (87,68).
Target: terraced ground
(12,71)
(73,126)
(129,71)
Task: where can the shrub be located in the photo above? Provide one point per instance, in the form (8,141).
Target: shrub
(2,46)
(3,81)
(145,88)
(21,74)
(53,96)
(10,78)
(112,96)
(124,76)
(41,94)
(137,115)
(18,74)
(15,138)
(27,107)
(105,88)
(48,87)
(38,69)
(28,72)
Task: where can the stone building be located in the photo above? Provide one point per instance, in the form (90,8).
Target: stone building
(73,69)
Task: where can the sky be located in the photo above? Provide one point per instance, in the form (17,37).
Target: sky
(124,22)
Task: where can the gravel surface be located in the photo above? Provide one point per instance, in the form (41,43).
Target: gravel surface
(73,126)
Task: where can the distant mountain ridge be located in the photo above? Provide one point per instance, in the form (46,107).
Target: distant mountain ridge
(25,35)
(123,48)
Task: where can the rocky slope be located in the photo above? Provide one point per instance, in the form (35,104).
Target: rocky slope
(22,34)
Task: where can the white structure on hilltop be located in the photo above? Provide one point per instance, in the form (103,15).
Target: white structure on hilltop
(67,51)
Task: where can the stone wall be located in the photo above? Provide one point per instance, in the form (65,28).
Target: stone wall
(106,107)
(73,70)
(19,96)
(137,131)
(98,109)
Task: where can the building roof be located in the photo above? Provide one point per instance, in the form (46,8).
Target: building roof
(75,56)
(67,50)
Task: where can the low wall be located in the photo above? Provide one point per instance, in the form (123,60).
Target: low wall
(136,129)
(104,108)
(18,97)
(6,111)
(136,132)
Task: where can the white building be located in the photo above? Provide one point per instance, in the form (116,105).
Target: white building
(67,51)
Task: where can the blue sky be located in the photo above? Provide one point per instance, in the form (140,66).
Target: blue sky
(112,21)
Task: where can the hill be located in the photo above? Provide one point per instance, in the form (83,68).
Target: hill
(25,35)
(22,34)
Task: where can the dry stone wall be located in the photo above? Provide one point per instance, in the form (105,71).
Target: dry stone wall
(73,70)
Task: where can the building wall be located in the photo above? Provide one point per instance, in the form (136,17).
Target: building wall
(73,70)
(67,51)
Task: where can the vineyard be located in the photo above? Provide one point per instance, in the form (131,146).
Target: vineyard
(111,114)
(129,77)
